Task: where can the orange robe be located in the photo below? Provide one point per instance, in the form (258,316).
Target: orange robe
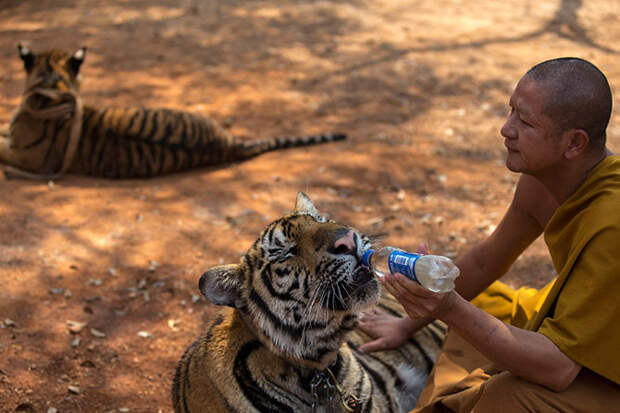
(579,311)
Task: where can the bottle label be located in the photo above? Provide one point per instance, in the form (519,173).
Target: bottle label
(404,263)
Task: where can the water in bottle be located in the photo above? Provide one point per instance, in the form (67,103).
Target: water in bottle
(434,272)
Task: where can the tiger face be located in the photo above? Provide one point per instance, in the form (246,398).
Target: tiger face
(301,284)
(51,70)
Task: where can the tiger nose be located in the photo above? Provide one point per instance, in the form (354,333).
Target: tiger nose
(346,243)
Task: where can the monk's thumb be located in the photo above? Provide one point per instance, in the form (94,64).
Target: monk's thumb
(422,249)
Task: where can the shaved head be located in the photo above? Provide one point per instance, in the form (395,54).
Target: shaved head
(579,96)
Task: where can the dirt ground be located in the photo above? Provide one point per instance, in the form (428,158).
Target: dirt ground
(421,89)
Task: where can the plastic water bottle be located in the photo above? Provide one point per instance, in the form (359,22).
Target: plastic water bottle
(434,272)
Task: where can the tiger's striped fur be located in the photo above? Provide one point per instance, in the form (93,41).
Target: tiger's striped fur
(116,142)
(293,306)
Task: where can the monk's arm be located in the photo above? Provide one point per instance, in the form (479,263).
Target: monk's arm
(527,354)
(524,353)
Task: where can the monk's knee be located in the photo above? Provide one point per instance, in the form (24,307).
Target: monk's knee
(508,393)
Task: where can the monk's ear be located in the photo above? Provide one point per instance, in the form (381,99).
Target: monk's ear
(577,143)
(221,285)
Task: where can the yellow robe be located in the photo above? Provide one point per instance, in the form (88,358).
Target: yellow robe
(580,310)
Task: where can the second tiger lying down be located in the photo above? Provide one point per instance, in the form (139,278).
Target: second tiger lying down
(287,339)
(52,133)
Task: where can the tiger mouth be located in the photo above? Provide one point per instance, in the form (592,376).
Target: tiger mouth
(39,101)
(362,274)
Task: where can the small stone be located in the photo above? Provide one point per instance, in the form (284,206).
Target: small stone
(52,410)
(124,409)
(153,265)
(112,271)
(94,281)
(195,298)
(9,323)
(57,291)
(173,325)
(74,389)
(75,342)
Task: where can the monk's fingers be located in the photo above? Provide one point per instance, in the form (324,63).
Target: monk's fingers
(417,299)
(371,316)
(406,287)
(413,287)
(390,287)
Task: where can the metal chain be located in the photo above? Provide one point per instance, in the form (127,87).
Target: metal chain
(322,389)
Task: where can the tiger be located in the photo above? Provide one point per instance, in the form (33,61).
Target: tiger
(286,339)
(52,133)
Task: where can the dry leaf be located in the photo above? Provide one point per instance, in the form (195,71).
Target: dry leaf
(75,326)
(97,333)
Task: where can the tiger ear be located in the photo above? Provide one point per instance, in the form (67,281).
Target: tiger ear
(222,285)
(27,56)
(76,60)
(303,204)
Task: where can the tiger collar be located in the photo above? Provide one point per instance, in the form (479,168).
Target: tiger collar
(74,107)
(323,386)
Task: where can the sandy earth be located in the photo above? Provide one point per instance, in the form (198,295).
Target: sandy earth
(421,88)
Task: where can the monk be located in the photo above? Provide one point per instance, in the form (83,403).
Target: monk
(557,349)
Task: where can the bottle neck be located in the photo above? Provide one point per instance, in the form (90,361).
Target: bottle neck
(367,257)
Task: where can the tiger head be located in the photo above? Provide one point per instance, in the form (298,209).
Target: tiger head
(300,286)
(52,70)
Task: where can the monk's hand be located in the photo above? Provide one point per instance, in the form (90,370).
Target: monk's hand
(388,332)
(418,301)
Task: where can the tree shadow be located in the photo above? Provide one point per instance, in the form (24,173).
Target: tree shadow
(565,24)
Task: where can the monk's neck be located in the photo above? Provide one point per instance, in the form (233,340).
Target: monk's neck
(566,180)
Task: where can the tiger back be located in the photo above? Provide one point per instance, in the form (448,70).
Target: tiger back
(286,338)
(52,133)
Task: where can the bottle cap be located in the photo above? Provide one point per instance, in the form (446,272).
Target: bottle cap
(366,257)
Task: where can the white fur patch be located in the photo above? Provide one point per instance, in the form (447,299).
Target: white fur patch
(414,382)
